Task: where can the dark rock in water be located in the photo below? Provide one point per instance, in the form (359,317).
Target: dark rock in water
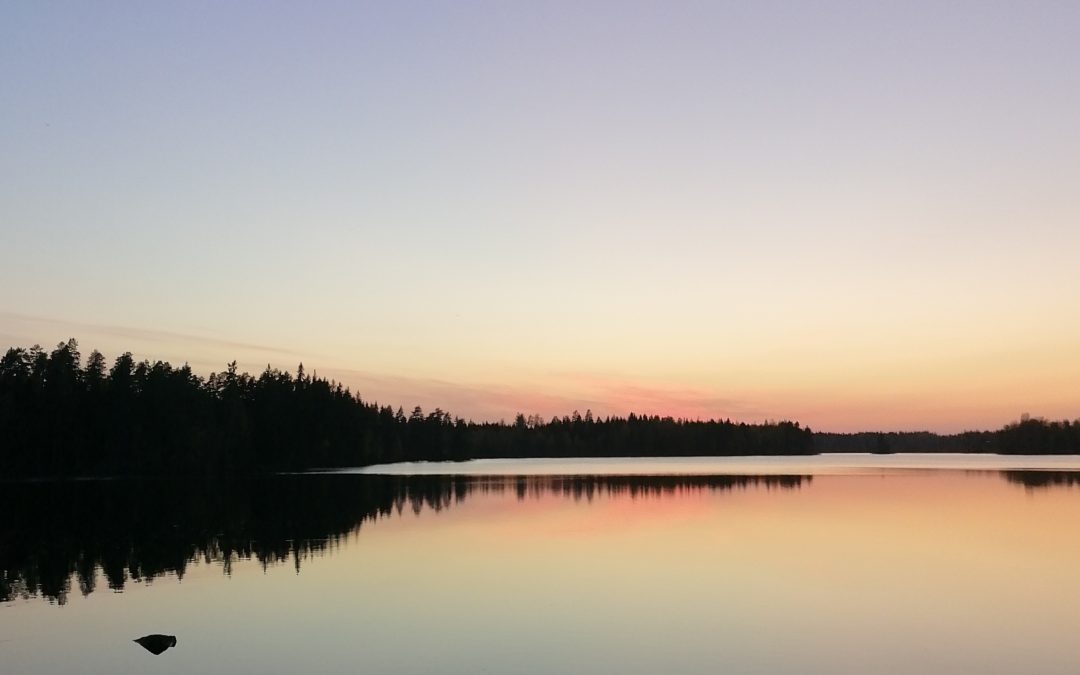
(155,644)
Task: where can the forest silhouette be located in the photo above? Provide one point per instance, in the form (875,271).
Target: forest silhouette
(61,417)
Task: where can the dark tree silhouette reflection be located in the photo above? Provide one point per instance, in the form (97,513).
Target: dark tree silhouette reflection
(1042,480)
(63,534)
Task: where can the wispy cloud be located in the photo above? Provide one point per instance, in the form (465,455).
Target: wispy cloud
(547,394)
(469,400)
(554,395)
(11,322)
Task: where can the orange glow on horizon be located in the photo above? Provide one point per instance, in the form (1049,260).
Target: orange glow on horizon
(981,387)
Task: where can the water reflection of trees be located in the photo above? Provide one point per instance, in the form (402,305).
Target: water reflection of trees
(1036,480)
(61,534)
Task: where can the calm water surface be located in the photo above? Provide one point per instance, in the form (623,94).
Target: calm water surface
(796,565)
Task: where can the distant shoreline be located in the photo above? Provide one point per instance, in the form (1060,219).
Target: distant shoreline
(60,417)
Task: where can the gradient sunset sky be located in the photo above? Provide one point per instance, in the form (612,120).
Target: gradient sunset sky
(854,215)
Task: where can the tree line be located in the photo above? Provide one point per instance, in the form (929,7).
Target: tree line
(1029,436)
(60,416)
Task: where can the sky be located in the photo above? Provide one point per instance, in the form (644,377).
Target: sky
(854,215)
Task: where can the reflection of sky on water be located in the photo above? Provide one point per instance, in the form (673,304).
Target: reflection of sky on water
(898,572)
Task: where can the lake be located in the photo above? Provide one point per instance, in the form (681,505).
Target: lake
(823,564)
